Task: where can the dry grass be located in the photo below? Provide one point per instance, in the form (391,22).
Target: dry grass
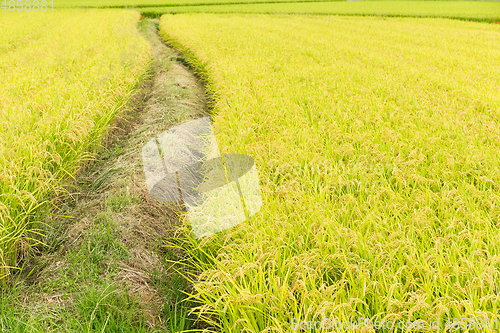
(105,267)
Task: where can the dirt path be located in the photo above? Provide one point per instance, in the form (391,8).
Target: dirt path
(111,236)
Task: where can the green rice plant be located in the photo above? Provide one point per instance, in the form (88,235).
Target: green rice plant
(465,10)
(65,75)
(377,143)
(152,3)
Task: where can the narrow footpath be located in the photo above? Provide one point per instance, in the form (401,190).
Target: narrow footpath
(105,266)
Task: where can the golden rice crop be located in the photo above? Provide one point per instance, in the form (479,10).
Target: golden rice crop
(148,3)
(64,75)
(465,10)
(377,142)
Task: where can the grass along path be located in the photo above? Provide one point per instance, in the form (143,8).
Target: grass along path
(377,143)
(106,266)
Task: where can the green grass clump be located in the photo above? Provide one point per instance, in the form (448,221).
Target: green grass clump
(465,10)
(64,77)
(377,142)
(100,308)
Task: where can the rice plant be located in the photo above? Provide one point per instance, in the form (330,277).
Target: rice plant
(377,143)
(488,11)
(64,77)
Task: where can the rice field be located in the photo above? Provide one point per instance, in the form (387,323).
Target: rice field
(64,77)
(466,10)
(377,143)
(150,3)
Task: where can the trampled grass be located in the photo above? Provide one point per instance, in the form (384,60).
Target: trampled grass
(467,10)
(377,141)
(64,76)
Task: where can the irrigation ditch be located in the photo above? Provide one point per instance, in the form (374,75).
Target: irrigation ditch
(104,265)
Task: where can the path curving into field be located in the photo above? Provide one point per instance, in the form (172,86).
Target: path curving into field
(107,266)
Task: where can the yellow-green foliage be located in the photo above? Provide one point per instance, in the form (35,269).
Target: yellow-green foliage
(64,75)
(149,3)
(466,10)
(377,143)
